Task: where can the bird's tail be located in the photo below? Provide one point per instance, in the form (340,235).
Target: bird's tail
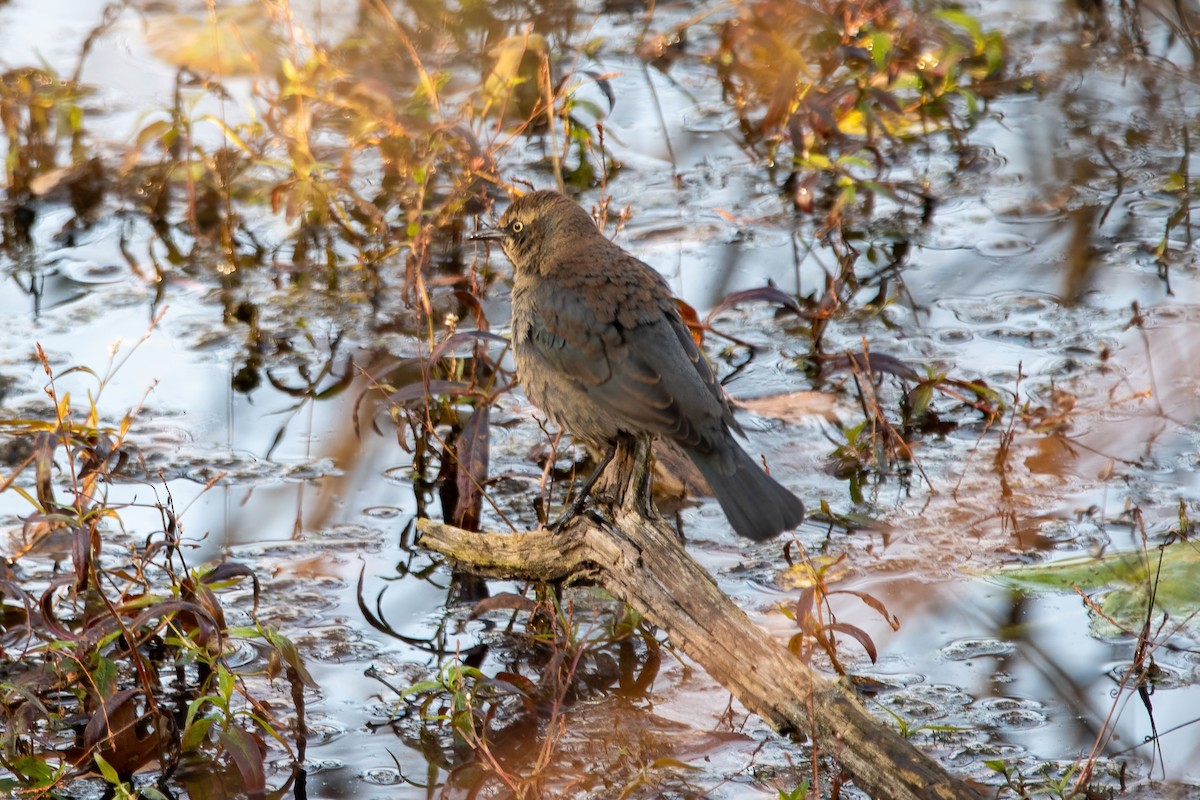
(757,506)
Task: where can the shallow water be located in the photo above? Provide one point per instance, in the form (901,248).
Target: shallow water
(990,290)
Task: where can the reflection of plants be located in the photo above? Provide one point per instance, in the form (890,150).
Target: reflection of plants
(365,156)
(522,87)
(836,92)
(41,114)
(357,153)
(873,446)
(1124,589)
(442,408)
(39,111)
(119,662)
(467,717)
(853,457)
(836,81)
(1144,599)
(1185,189)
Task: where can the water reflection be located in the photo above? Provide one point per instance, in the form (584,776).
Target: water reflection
(1074,207)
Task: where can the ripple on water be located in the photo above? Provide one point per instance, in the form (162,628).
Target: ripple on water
(976,310)
(91,274)
(1151,207)
(973,753)
(1011,713)
(336,644)
(985,160)
(322,729)
(241,653)
(1026,213)
(969,648)
(1087,107)
(1034,336)
(1165,677)
(709,119)
(311,470)
(1003,246)
(382,776)
(927,701)
(228,468)
(953,336)
(382,512)
(1017,318)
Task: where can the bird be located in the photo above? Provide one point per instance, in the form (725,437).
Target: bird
(601,348)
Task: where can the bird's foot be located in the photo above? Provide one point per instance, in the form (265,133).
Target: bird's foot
(569,513)
(585,492)
(600,501)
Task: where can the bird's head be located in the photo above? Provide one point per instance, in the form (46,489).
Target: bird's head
(537,224)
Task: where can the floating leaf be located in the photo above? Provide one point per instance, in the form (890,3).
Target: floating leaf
(793,406)
(1123,583)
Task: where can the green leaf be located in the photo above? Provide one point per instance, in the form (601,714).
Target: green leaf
(153,131)
(965,21)
(34,772)
(423,686)
(243,749)
(972,102)
(920,398)
(105,677)
(881,47)
(1123,583)
(855,161)
(994,52)
(107,770)
(817,161)
(291,656)
(195,706)
(195,734)
(799,793)
(243,632)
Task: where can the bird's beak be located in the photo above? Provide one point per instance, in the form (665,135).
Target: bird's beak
(488,234)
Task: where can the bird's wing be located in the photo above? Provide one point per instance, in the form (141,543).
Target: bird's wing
(568,337)
(634,357)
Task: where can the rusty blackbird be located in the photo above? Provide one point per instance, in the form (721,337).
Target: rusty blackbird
(601,348)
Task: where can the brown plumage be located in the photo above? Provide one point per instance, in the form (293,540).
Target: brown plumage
(602,350)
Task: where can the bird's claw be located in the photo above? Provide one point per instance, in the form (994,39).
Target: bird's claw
(579,506)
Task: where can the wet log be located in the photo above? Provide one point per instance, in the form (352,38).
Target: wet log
(621,546)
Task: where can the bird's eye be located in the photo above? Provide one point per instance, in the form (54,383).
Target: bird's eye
(517,227)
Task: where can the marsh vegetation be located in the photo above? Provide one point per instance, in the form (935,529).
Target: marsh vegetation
(941,254)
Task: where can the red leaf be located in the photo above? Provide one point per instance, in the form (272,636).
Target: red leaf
(472,453)
(766,294)
(247,753)
(859,635)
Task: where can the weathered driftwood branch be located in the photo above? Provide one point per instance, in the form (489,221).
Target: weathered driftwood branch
(641,561)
